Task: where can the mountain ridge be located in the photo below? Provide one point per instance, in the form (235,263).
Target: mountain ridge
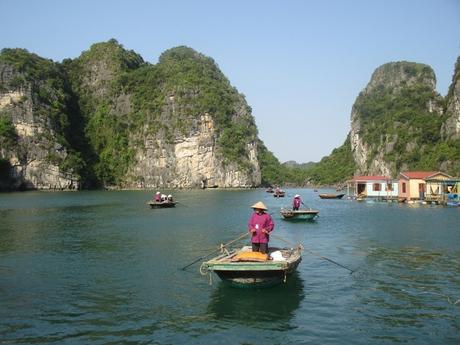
(175,124)
(110,119)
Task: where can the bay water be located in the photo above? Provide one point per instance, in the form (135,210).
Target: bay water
(101,267)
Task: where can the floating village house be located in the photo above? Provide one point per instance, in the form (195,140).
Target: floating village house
(378,187)
(419,185)
(443,191)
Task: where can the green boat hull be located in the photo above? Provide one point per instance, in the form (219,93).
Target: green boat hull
(299,216)
(253,274)
(253,279)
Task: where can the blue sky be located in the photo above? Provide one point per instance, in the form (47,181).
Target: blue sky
(300,64)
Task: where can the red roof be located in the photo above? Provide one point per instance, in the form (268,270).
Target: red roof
(420,174)
(371,178)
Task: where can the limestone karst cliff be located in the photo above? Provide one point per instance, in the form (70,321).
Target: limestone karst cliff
(34,151)
(398,122)
(396,119)
(110,119)
(451,127)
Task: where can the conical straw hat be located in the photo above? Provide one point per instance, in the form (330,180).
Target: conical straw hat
(260,205)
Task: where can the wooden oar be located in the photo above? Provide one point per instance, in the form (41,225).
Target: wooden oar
(215,251)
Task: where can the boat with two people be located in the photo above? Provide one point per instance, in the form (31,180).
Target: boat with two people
(162,201)
(161,204)
(279,193)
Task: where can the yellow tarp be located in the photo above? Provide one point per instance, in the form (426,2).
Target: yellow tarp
(250,256)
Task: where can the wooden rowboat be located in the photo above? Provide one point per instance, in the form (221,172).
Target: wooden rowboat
(299,215)
(331,196)
(249,274)
(164,204)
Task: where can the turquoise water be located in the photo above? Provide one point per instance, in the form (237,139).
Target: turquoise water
(103,268)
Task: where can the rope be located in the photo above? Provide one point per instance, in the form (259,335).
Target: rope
(313,253)
(330,260)
(283,240)
(236,239)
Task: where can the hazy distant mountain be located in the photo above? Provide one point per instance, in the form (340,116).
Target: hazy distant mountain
(294,164)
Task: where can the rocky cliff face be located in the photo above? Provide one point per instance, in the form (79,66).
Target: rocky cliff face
(398,122)
(110,119)
(31,108)
(388,119)
(451,128)
(163,125)
(191,161)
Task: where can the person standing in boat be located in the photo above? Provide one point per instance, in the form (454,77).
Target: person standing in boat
(157,197)
(296,202)
(260,225)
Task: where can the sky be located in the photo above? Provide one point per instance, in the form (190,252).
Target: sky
(300,64)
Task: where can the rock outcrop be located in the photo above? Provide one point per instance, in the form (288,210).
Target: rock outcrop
(32,149)
(398,122)
(191,161)
(388,116)
(451,128)
(110,119)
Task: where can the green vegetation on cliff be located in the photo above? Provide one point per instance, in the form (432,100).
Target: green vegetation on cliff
(399,118)
(45,82)
(47,86)
(335,168)
(273,173)
(407,118)
(172,95)
(8,136)
(96,81)
(122,101)
(105,106)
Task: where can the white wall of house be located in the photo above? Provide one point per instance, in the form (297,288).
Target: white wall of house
(379,189)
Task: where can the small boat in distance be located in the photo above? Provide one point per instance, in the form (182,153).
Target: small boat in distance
(298,215)
(331,196)
(244,268)
(279,193)
(161,204)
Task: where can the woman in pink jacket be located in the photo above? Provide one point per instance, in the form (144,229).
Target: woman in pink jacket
(260,225)
(296,202)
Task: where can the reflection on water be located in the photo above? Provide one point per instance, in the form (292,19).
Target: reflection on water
(262,308)
(409,289)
